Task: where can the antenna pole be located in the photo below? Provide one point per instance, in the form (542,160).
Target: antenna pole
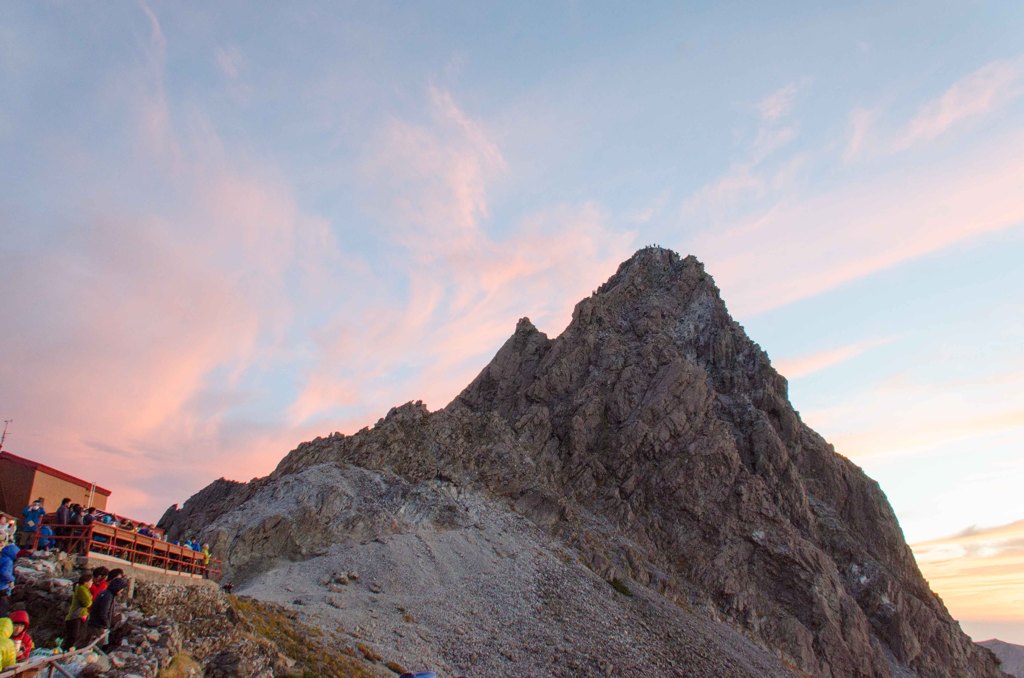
(4,436)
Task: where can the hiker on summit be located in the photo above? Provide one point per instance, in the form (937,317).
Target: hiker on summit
(33,514)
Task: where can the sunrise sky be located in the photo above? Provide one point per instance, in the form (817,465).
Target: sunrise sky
(230,227)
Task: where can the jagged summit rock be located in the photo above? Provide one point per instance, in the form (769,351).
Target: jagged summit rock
(654,440)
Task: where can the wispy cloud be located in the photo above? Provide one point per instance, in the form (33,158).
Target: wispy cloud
(779,103)
(801,366)
(155,308)
(747,179)
(229,60)
(862,123)
(426,183)
(825,240)
(905,417)
(978,572)
(978,94)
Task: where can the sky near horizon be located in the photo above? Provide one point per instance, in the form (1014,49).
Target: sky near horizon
(230,227)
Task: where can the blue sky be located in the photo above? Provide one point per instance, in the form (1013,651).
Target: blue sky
(229,227)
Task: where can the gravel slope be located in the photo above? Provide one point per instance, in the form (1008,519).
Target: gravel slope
(501,598)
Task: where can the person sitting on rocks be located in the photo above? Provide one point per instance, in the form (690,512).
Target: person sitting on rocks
(6,533)
(46,540)
(8,555)
(74,622)
(99,581)
(20,636)
(102,616)
(8,651)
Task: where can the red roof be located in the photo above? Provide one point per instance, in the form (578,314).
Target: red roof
(50,471)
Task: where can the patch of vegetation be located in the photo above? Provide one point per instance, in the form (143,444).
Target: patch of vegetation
(315,653)
(181,666)
(368,652)
(396,667)
(621,587)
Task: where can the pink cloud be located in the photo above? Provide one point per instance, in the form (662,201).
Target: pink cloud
(801,366)
(229,60)
(976,95)
(779,103)
(427,183)
(979,573)
(137,326)
(903,417)
(747,179)
(862,124)
(973,97)
(803,247)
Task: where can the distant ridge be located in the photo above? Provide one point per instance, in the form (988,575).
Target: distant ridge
(1012,656)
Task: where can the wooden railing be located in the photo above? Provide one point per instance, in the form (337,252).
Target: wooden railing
(132,547)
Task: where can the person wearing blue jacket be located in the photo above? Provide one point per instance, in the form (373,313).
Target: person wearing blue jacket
(46,540)
(33,513)
(8,555)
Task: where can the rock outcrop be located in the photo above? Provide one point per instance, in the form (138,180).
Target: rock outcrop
(165,630)
(654,439)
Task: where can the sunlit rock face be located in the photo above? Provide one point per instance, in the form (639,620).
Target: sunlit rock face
(654,440)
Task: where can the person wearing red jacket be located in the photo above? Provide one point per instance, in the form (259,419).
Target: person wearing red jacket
(99,581)
(20,620)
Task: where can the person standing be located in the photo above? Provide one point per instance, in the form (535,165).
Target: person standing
(63,522)
(33,514)
(74,622)
(99,581)
(102,616)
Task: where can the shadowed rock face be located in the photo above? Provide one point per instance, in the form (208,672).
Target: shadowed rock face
(654,438)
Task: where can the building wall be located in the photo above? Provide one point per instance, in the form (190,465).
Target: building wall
(52,490)
(15,487)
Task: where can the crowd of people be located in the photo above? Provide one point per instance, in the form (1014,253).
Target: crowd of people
(91,610)
(67,517)
(61,531)
(92,606)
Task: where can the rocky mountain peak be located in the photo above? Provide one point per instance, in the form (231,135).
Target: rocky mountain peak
(654,441)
